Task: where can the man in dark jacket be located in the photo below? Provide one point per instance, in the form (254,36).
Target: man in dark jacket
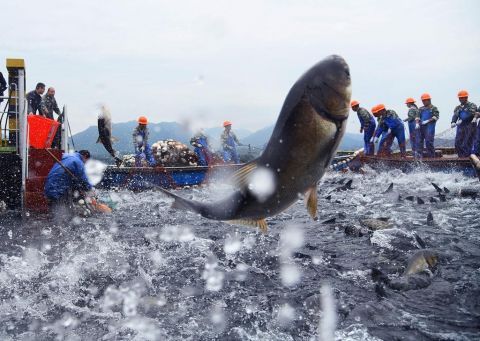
(66,178)
(3,86)
(34,98)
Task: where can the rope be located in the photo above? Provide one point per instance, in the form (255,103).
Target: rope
(61,164)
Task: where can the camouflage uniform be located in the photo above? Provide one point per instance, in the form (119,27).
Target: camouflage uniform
(225,137)
(140,137)
(365,117)
(413,114)
(229,139)
(412,117)
(48,106)
(142,148)
(367,122)
(427,131)
(464,138)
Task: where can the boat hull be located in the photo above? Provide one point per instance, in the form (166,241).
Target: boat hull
(445,161)
(147,178)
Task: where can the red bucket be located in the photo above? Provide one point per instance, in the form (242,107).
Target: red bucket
(41,131)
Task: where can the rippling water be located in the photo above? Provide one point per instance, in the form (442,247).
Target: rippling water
(152,273)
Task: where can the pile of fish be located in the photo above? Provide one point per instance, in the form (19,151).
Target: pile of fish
(173,153)
(167,153)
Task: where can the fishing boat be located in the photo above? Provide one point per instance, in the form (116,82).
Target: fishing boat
(145,178)
(445,160)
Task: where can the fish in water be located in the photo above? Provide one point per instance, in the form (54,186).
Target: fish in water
(439,190)
(468,193)
(410,198)
(420,201)
(433,200)
(307,133)
(374,224)
(442,197)
(421,261)
(389,189)
(329,221)
(430,221)
(417,275)
(446,190)
(419,240)
(345,187)
(105,133)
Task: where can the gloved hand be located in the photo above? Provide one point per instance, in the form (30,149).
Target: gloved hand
(474,121)
(361,130)
(417,126)
(118,161)
(453,125)
(459,122)
(389,131)
(425,122)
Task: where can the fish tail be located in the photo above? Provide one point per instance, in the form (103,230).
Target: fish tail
(182,203)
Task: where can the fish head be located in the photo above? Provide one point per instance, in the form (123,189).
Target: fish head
(328,88)
(431,258)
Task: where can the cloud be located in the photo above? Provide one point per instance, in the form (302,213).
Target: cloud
(210,60)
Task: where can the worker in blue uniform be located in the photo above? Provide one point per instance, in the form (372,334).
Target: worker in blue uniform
(367,127)
(413,117)
(229,141)
(140,143)
(428,117)
(462,118)
(391,126)
(67,178)
(201,149)
(476,140)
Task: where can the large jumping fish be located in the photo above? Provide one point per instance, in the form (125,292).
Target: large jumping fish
(308,131)
(105,133)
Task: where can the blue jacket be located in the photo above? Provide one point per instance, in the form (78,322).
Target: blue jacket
(59,181)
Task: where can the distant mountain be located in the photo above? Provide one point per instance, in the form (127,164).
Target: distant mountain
(173,130)
(261,137)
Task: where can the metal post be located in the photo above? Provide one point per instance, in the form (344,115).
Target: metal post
(64,143)
(22,135)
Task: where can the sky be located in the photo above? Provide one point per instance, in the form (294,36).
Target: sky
(203,62)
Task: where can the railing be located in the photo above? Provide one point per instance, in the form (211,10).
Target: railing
(6,129)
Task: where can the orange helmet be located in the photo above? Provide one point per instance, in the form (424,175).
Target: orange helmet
(462,93)
(409,100)
(376,109)
(227,123)
(354,103)
(142,120)
(426,96)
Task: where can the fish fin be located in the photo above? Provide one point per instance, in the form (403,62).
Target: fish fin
(240,177)
(259,223)
(181,203)
(311,201)
(114,139)
(98,140)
